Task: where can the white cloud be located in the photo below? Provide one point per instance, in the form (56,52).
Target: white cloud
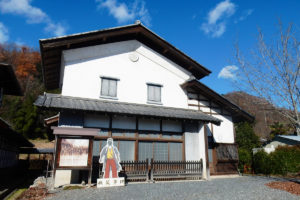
(228,72)
(56,28)
(124,13)
(245,14)
(119,11)
(215,25)
(32,14)
(23,7)
(3,33)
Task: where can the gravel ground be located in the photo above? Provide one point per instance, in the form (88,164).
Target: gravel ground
(226,188)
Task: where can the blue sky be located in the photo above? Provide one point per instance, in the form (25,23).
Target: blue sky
(204,30)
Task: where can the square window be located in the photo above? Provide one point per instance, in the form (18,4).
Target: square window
(108,87)
(154,93)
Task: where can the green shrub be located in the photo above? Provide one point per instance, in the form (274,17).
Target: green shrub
(244,159)
(245,136)
(286,159)
(262,163)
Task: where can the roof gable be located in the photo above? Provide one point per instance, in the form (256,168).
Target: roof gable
(238,114)
(51,49)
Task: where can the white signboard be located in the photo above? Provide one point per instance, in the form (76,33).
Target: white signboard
(74,152)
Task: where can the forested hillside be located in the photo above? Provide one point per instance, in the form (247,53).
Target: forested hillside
(264,112)
(19,111)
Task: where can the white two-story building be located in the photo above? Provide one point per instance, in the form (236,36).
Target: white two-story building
(130,84)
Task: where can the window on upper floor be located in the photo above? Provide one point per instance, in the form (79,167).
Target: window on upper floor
(154,93)
(109,87)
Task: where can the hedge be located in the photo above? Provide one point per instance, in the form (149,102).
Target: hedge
(245,160)
(285,159)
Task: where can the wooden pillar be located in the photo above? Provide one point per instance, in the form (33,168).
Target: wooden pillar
(90,160)
(55,154)
(136,144)
(110,126)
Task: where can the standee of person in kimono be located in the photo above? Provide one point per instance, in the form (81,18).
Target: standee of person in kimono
(110,157)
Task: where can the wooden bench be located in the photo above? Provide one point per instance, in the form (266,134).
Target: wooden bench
(166,170)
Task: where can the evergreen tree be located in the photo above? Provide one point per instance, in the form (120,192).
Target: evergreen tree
(245,136)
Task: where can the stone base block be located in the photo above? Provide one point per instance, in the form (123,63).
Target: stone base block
(62,177)
(110,182)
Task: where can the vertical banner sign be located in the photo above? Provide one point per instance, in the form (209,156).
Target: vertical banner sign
(74,152)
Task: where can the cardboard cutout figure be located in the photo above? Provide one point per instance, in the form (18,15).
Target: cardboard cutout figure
(110,157)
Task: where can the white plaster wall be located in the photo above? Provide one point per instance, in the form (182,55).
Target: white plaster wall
(205,109)
(193,107)
(192,146)
(202,150)
(224,133)
(83,67)
(195,147)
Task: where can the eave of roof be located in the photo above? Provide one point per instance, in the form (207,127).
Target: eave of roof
(51,120)
(10,134)
(219,99)
(36,150)
(59,102)
(4,124)
(291,137)
(51,49)
(8,80)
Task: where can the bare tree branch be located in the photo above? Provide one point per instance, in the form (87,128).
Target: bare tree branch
(272,70)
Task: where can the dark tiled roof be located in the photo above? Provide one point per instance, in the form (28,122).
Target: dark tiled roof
(56,101)
(8,80)
(11,135)
(37,150)
(51,49)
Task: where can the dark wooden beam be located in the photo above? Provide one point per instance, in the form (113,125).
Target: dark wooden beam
(53,75)
(51,66)
(84,38)
(52,52)
(75,131)
(52,60)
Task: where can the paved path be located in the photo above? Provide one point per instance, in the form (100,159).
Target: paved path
(245,188)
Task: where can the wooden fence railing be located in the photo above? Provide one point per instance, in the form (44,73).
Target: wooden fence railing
(159,170)
(136,170)
(175,169)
